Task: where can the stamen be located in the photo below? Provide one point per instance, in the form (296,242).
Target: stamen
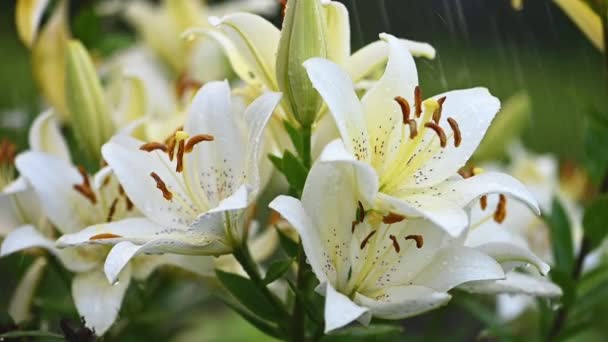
(152,146)
(352,226)
(180,157)
(413,128)
(162,186)
(392,218)
(456,130)
(418,238)
(418,101)
(483,201)
(129,203)
(171,148)
(437,112)
(440,133)
(283,7)
(184,84)
(112,210)
(7,152)
(395,243)
(465,172)
(501,209)
(84,175)
(86,191)
(197,139)
(405,108)
(364,242)
(360,213)
(104,236)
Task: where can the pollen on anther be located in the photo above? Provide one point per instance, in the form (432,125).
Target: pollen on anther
(162,186)
(395,243)
(501,209)
(405,108)
(440,133)
(366,240)
(104,236)
(456,130)
(153,146)
(197,139)
(391,218)
(483,201)
(418,101)
(418,238)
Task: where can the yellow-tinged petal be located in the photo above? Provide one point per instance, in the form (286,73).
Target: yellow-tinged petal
(48,59)
(586,19)
(28,14)
(85,99)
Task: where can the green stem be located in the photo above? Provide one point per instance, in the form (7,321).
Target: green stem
(243,256)
(298,333)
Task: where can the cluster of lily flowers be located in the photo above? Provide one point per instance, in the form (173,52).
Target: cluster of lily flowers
(391,218)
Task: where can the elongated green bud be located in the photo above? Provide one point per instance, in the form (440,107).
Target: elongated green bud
(303,36)
(86,102)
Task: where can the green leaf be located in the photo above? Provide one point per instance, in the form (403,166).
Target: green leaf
(246,292)
(379,332)
(561,237)
(276,161)
(595,221)
(33,333)
(564,280)
(264,326)
(484,314)
(294,171)
(596,145)
(277,269)
(289,246)
(295,136)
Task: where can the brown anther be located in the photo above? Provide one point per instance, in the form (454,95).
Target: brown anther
(84,175)
(153,146)
(456,130)
(129,203)
(274,218)
(197,139)
(184,83)
(112,210)
(466,172)
(405,108)
(391,218)
(352,226)
(395,243)
(501,209)
(413,128)
(106,181)
(171,148)
(104,236)
(483,201)
(180,157)
(360,212)
(7,152)
(443,140)
(162,186)
(437,112)
(86,191)
(418,238)
(283,8)
(366,240)
(418,101)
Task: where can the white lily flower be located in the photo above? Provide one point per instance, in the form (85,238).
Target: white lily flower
(416,147)
(375,264)
(194,199)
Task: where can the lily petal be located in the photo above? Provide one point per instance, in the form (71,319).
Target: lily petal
(45,136)
(18,205)
(441,212)
(97,300)
(137,229)
(372,57)
(53,180)
(340,310)
(383,116)
(145,265)
(456,265)
(403,301)
(28,16)
(336,88)
(251,43)
(19,306)
(337,28)
(473,109)
(515,283)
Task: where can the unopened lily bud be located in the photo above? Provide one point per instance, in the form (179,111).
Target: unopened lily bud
(86,103)
(303,36)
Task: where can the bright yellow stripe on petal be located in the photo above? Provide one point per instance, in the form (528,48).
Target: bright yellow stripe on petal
(587,21)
